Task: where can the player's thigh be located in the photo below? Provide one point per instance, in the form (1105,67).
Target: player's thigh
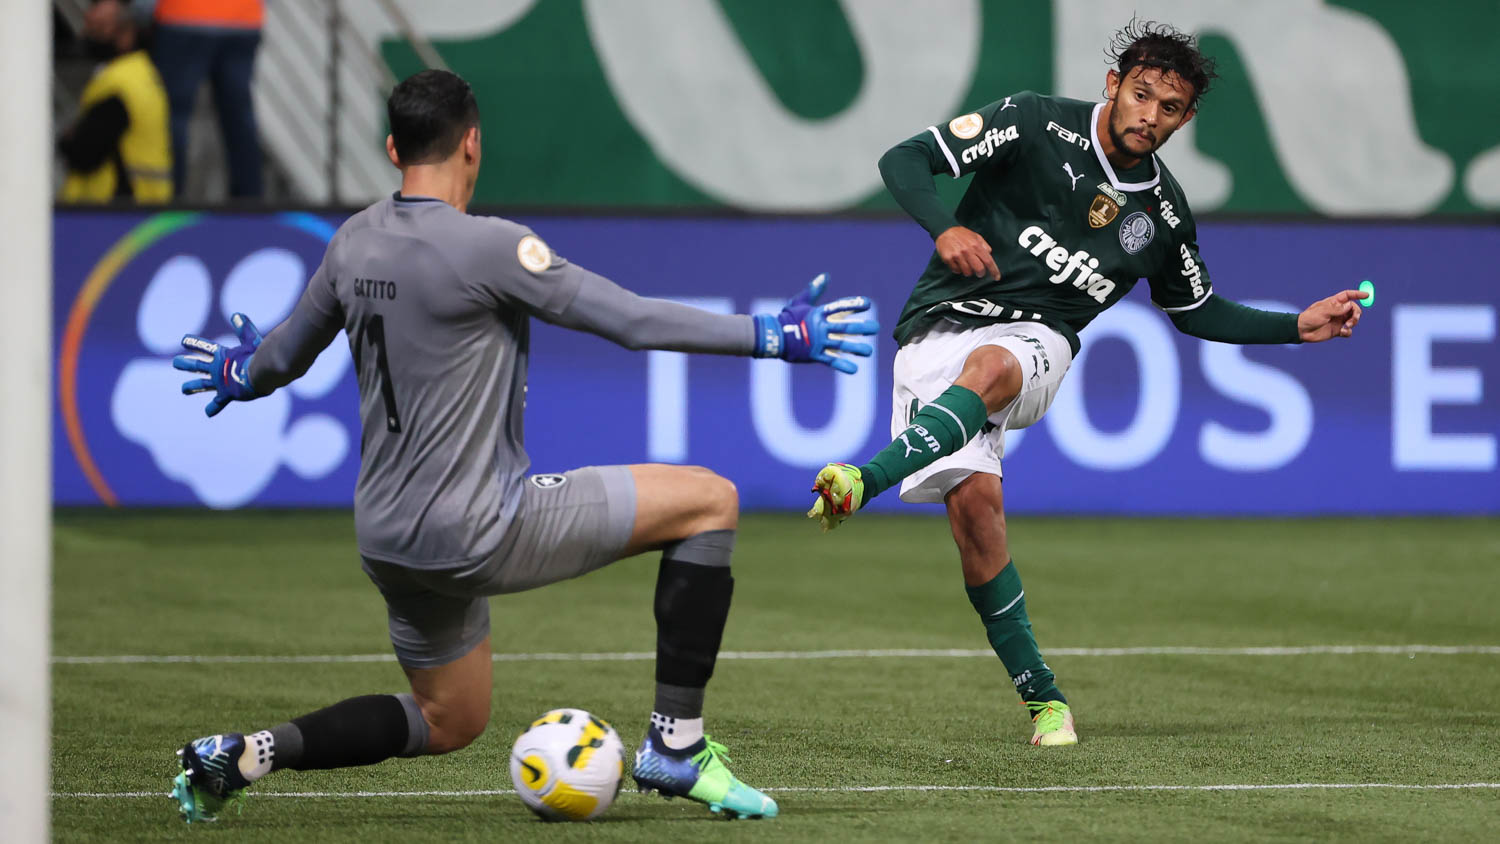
(923,371)
(1036,358)
(455,698)
(571,524)
(564,526)
(675,502)
(993,372)
(1045,358)
(442,643)
(1035,354)
(430,625)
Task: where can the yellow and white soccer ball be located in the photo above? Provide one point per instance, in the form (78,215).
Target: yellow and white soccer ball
(567,766)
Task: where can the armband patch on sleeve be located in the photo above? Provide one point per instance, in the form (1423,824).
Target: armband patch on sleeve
(534,254)
(966,126)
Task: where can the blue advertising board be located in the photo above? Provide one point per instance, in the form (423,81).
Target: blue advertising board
(1403,418)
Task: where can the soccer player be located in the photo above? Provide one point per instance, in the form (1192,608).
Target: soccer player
(1069,206)
(437,305)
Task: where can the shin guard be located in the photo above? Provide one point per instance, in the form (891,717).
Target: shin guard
(692,604)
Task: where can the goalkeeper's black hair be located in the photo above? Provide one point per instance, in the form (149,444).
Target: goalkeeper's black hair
(429,114)
(1166,48)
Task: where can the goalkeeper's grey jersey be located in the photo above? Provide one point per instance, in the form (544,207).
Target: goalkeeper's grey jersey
(436,304)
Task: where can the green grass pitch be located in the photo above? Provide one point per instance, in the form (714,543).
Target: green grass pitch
(846,738)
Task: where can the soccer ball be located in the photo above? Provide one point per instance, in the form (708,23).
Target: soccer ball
(567,765)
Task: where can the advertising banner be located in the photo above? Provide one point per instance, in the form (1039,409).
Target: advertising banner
(1403,418)
(1377,108)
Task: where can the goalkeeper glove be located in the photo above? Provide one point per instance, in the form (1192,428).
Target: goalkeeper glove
(228,369)
(805,332)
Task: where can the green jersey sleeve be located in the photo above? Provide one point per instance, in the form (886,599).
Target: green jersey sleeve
(985,138)
(1181,288)
(1182,283)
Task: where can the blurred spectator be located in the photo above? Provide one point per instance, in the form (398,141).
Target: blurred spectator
(118,148)
(216,39)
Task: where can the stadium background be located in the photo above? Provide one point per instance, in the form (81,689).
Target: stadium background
(1236,679)
(723,153)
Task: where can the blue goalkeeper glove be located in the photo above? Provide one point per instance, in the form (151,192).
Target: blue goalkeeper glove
(228,369)
(804,331)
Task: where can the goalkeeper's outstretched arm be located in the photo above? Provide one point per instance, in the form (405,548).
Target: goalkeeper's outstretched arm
(802,332)
(637,322)
(290,349)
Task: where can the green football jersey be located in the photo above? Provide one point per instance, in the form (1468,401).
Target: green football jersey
(1070,234)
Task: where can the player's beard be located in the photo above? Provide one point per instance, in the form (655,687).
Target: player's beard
(1117,136)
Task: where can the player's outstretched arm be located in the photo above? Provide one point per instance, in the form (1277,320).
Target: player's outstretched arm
(803,331)
(1328,318)
(256,367)
(227,368)
(1223,321)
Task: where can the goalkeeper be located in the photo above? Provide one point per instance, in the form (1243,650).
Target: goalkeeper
(437,305)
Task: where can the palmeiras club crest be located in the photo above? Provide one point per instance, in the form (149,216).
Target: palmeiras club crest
(1136,232)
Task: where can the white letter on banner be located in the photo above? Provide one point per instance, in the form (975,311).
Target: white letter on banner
(667,392)
(1417,385)
(1281,396)
(776,425)
(1156,407)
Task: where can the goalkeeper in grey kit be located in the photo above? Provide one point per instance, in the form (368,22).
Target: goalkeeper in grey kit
(437,307)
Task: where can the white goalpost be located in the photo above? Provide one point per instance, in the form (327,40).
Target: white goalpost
(25,421)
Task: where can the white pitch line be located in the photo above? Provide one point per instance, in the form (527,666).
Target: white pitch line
(642,656)
(867,789)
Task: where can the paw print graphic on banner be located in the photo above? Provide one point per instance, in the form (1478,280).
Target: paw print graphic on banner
(229,459)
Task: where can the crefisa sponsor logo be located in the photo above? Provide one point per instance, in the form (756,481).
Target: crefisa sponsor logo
(992,140)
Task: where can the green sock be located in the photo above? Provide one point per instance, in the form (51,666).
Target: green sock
(937,430)
(1001,605)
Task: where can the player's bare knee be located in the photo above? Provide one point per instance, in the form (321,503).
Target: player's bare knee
(725,498)
(715,502)
(455,730)
(994,374)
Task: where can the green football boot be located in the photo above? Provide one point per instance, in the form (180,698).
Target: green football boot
(698,773)
(1054,723)
(210,778)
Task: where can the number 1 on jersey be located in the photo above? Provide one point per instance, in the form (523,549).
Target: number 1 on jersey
(375,330)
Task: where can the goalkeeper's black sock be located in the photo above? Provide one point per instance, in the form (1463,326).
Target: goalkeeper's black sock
(693,591)
(358,731)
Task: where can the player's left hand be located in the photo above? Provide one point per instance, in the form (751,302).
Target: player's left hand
(805,331)
(1328,318)
(227,368)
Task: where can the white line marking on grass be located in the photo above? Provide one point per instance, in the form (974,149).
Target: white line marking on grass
(865,789)
(641,656)
(1286,786)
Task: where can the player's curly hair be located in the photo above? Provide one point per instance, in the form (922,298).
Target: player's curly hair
(1165,47)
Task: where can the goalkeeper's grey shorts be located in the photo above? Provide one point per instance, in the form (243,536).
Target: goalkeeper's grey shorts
(567,525)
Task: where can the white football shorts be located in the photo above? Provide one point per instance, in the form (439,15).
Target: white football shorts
(927,367)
